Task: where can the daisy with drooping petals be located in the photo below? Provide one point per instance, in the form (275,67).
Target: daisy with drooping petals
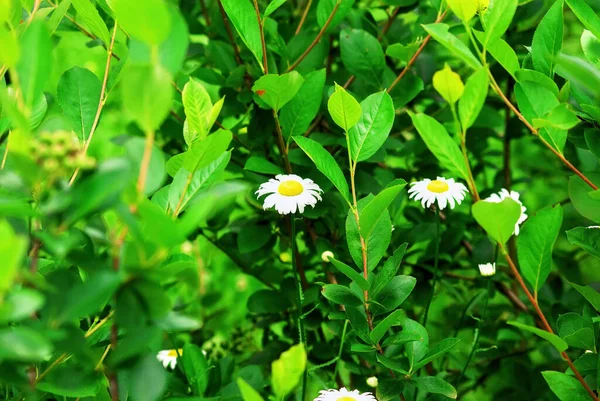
(444,191)
(344,395)
(289,193)
(487,269)
(168,357)
(503,194)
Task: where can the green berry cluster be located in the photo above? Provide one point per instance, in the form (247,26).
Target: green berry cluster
(60,152)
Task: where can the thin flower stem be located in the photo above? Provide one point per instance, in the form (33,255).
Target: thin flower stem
(141,183)
(304,14)
(281,144)
(339,355)
(262,37)
(435,265)
(299,300)
(463,148)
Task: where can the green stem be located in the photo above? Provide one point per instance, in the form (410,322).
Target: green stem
(299,298)
(435,264)
(339,356)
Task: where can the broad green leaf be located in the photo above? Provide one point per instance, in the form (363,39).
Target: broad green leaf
(69,380)
(297,115)
(588,17)
(592,139)
(197,105)
(448,84)
(415,350)
(150,23)
(553,339)
(325,9)
(325,163)
(373,211)
(10,47)
(535,243)
(362,55)
(248,392)
(358,320)
(134,149)
(389,270)
(561,117)
(351,273)
(377,242)
(402,52)
(277,90)
(340,295)
(24,344)
(465,10)
(13,249)
(577,330)
(35,64)
(393,294)
(344,109)
(267,301)
(373,127)
(566,388)
(436,351)
(502,52)
(440,143)
(524,75)
(403,337)
(91,18)
(387,389)
(393,319)
(586,237)
(579,193)
(196,367)
(440,33)
(498,219)
(273,5)
(58,14)
(147,95)
(547,40)
(473,98)
(288,370)
(148,380)
(581,74)
(242,15)
(591,47)
(436,385)
(19,304)
(78,94)
(592,296)
(497,19)
(261,165)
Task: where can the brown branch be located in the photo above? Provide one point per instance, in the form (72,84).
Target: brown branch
(236,50)
(205,12)
(262,37)
(388,24)
(304,14)
(317,39)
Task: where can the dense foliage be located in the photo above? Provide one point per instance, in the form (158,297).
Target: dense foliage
(134,136)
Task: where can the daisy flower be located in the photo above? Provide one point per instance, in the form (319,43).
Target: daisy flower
(503,194)
(168,357)
(487,269)
(444,191)
(344,395)
(288,193)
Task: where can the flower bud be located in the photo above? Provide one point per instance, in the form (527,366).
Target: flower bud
(488,269)
(285,257)
(327,256)
(372,382)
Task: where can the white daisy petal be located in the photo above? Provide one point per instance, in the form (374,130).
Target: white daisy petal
(446,192)
(487,269)
(289,193)
(344,395)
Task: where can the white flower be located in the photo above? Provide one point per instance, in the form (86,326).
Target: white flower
(344,395)
(592,227)
(441,190)
(487,269)
(168,357)
(326,256)
(503,194)
(288,193)
(372,381)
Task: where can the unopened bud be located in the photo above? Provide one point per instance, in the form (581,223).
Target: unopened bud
(372,381)
(327,256)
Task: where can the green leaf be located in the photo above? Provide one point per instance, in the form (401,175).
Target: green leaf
(341,295)
(20,304)
(497,19)
(78,94)
(561,117)
(436,351)
(325,163)
(396,318)
(373,126)
(577,330)
(362,55)
(358,320)
(13,249)
(535,243)
(203,153)
(592,296)
(502,53)
(465,10)
(273,5)
(553,339)
(196,368)
(393,294)
(498,219)
(325,9)
(448,84)
(591,47)
(389,270)
(10,47)
(148,380)
(566,388)
(473,98)
(24,344)
(436,385)
(69,380)
(588,17)
(288,370)
(586,237)
(91,18)
(248,392)
(134,149)
(267,301)
(440,143)
(388,389)
(547,40)
(440,33)
(415,350)
(35,64)
(58,14)
(242,15)
(344,109)
(261,165)
(579,193)
(373,211)
(296,116)
(147,95)
(197,106)
(403,337)
(277,90)
(351,274)
(582,74)
(150,24)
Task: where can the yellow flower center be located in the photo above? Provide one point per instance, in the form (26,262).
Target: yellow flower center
(173,352)
(345,398)
(290,188)
(437,186)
